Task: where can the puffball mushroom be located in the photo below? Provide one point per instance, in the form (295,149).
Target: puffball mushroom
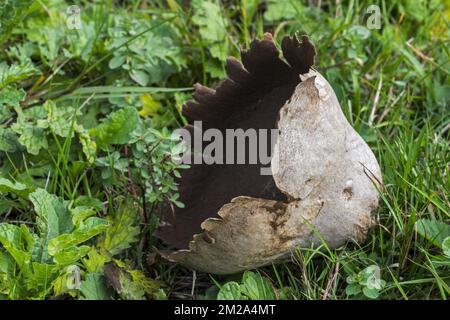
(324,180)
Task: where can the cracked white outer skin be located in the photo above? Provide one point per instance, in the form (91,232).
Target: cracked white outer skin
(329,175)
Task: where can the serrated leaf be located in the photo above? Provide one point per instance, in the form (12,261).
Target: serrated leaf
(123,230)
(10,13)
(152,57)
(59,119)
(10,96)
(95,260)
(30,136)
(212,27)
(117,128)
(230,291)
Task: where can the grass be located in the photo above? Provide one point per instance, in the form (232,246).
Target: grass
(392,83)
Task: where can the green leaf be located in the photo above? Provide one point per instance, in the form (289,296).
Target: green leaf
(53,217)
(95,260)
(281,10)
(40,277)
(7,204)
(6,263)
(16,188)
(353,289)
(122,282)
(371,293)
(123,230)
(30,136)
(94,288)
(9,141)
(59,119)
(351,279)
(411,60)
(10,74)
(210,294)
(80,214)
(5,114)
(256,287)
(117,128)
(116,61)
(18,242)
(64,248)
(88,201)
(11,12)
(70,255)
(155,55)
(286,293)
(88,145)
(132,284)
(150,106)
(131,290)
(230,291)
(89,229)
(140,76)
(446,246)
(215,69)
(212,26)
(433,230)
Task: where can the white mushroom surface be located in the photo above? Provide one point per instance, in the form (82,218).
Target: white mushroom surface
(325,177)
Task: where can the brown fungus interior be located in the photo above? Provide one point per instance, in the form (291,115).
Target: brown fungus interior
(250,97)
